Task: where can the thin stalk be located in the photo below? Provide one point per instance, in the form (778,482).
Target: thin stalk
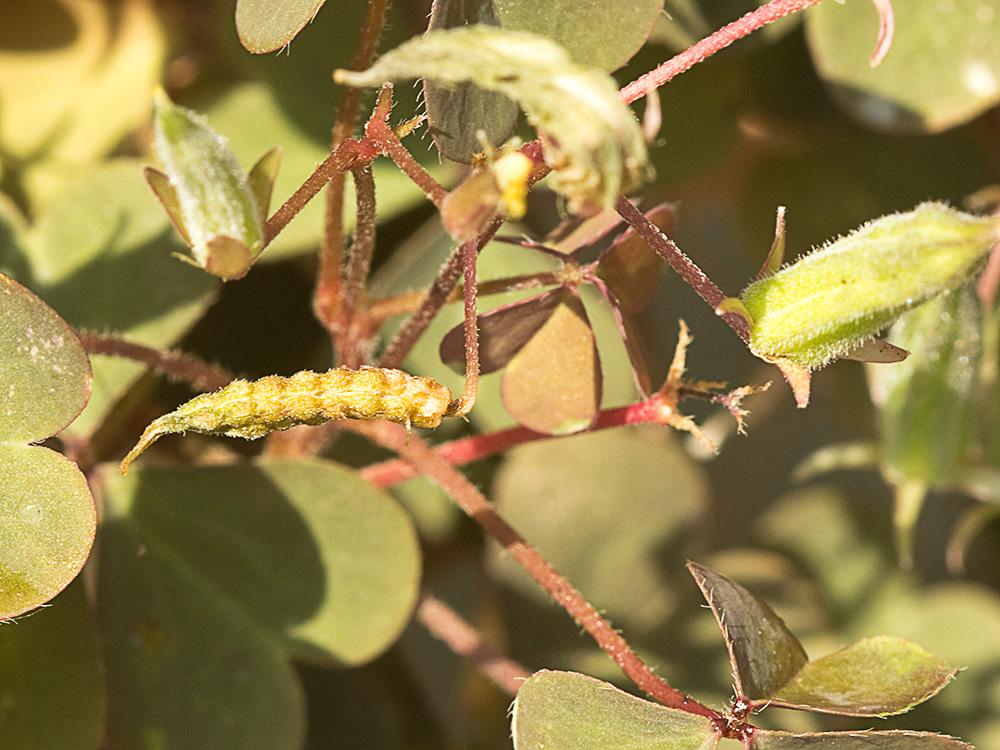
(472,501)
(331,258)
(385,139)
(360,261)
(667,249)
(183,367)
(463,405)
(444,623)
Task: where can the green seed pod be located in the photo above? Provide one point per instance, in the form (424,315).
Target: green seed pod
(833,300)
(218,209)
(252,409)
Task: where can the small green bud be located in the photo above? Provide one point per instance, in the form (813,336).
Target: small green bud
(218,209)
(833,301)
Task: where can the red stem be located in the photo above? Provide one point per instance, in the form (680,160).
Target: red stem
(472,501)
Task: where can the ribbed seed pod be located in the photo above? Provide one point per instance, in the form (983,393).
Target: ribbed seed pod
(251,409)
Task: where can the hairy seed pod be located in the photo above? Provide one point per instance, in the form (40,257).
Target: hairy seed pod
(251,409)
(836,298)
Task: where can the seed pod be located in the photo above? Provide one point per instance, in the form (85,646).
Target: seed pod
(252,409)
(836,298)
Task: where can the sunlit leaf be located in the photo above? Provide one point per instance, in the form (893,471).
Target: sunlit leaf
(569,711)
(553,383)
(266,25)
(47,516)
(877,676)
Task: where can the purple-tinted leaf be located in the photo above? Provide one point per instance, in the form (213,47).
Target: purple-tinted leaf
(553,384)
(457,114)
(631,268)
(502,332)
(575,235)
(632,341)
(893,740)
(877,676)
(763,652)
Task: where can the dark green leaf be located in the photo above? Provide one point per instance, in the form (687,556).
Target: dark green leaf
(763,652)
(52,658)
(604,35)
(456,114)
(569,711)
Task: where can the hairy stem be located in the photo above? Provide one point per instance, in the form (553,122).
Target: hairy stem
(183,367)
(667,249)
(463,405)
(444,623)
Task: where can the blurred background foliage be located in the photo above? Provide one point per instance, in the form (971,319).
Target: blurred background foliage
(792,116)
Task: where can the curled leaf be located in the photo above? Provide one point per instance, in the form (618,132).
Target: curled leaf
(592,141)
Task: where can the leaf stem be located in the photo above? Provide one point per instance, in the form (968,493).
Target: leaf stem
(667,249)
(475,504)
(444,623)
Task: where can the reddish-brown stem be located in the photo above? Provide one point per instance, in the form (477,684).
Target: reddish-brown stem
(463,405)
(434,300)
(331,258)
(667,249)
(710,45)
(184,367)
(345,156)
(476,447)
(465,640)
(385,140)
(358,265)
(472,501)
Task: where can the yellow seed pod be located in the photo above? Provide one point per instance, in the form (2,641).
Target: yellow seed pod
(251,409)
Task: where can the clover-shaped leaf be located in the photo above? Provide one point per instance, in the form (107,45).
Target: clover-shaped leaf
(47,514)
(869,740)
(569,711)
(876,676)
(266,25)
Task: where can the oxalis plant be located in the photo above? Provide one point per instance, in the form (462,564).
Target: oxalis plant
(233,592)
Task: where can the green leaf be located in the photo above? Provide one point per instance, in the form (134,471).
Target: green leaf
(75,81)
(763,739)
(101,255)
(47,514)
(568,711)
(457,114)
(52,659)
(553,384)
(927,402)
(877,676)
(266,25)
(275,559)
(943,68)
(602,35)
(209,196)
(763,652)
(593,141)
(45,378)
